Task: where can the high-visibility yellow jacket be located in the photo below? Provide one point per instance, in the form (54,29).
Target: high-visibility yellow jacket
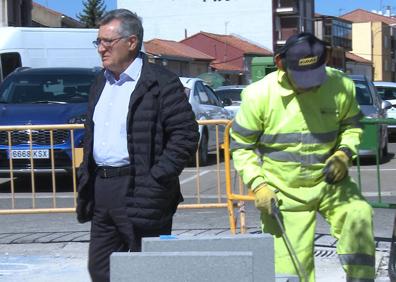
(283,138)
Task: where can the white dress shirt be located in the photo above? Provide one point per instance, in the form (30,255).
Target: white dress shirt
(110,117)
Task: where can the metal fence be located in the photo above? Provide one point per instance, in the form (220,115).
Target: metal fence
(228,191)
(372,129)
(238,194)
(15,202)
(13,135)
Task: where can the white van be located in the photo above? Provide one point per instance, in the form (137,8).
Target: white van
(46,47)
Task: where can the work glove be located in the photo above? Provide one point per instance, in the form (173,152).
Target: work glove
(263,198)
(336,167)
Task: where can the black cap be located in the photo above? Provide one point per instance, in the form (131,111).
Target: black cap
(304,57)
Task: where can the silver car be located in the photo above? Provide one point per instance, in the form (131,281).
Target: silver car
(231,97)
(372,106)
(387,91)
(206,106)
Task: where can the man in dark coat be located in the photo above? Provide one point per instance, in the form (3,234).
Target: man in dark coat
(140,133)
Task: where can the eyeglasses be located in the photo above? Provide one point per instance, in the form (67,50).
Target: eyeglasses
(107,43)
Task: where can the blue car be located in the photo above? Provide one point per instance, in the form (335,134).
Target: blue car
(42,96)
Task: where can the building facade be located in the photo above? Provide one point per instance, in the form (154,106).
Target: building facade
(45,17)
(357,65)
(180,58)
(372,42)
(374,39)
(267,23)
(338,33)
(28,13)
(232,55)
(15,12)
(291,17)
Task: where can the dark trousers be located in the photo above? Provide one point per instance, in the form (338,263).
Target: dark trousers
(111,229)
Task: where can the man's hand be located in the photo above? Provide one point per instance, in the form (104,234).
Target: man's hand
(84,210)
(263,197)
(336,167)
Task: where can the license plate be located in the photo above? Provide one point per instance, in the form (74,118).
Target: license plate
(25,154)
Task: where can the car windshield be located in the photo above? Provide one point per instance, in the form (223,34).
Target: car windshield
(46,88)
(233,94)
(386,93)
(363,95)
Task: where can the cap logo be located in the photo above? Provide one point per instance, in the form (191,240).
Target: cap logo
(308,61)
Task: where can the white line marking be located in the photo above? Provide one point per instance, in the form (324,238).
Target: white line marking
(194,176)
(373,169)
(370,194)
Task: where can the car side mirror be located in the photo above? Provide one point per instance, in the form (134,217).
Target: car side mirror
(386,105)
(227,102)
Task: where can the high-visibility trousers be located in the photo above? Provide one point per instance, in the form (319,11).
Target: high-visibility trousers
(350,219)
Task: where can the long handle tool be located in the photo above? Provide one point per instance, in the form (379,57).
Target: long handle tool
(299,268)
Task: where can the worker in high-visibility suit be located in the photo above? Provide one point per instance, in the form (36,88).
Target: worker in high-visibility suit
(293,140)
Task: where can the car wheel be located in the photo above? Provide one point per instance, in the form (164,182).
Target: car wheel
(203,149)
(385,150)
(380,155)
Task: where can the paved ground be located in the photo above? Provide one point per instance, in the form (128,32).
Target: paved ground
(54,247)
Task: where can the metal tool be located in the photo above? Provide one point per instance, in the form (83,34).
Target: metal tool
(299,268)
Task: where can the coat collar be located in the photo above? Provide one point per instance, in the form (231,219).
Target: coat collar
(146,81)
(147,77)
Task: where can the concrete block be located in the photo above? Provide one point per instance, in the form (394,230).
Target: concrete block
(182,267)
(261,245)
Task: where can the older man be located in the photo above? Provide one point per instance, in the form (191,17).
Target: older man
(140,133)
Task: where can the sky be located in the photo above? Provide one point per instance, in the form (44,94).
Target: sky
(332,8)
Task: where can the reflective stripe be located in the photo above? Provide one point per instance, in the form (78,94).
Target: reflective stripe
(355,120)
(303,138)
(308,159)
(357,259)
(349,279)
(244,131)
(236,145)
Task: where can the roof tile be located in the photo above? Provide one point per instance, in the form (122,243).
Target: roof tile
(242,44)
(360,15)
(174,49)
(356,58)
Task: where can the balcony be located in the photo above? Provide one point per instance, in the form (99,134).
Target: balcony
(287,7)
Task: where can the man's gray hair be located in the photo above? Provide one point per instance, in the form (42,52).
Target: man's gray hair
(131,24)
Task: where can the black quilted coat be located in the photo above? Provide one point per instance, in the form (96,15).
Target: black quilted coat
(162,137)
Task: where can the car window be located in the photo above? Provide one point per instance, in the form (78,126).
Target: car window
(386,93)
(233,94)
(200,94)
(212,97)
(363,95)
(62,88)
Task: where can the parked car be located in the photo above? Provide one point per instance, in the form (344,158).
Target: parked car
(231,97)
(372,106)
(387,91)
(206,106)
(47,96)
